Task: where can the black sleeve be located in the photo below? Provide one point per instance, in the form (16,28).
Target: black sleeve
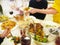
(1,40)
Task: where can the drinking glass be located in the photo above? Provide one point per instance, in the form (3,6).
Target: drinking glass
(25,38)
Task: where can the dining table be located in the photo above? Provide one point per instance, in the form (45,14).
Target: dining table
(46,27)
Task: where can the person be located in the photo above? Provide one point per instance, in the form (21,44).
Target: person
(55,9)
(39,4)
(4,34)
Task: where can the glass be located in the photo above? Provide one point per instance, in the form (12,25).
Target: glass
(25,38)
(25,41)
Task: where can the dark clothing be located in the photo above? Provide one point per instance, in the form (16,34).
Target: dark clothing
(39,5)
(1,40)
(1,10)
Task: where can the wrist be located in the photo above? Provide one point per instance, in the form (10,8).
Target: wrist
(37,10)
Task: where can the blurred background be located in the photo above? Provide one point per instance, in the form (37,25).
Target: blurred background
(7,4)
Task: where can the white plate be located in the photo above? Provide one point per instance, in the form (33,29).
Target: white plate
(50,23)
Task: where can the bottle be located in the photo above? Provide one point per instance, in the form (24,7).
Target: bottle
(57,41)
(25,38)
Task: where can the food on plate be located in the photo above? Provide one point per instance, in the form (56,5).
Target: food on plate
(3,18)
(39,39)
(39,29)
(31,29)
(8,23)
(39,35)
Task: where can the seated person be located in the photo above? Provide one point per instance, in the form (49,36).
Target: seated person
(39,4)
(55,10)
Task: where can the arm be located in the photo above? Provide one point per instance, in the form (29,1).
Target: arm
(5,33)
(44,11)
(47,11)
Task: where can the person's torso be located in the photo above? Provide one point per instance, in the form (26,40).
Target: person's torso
(39,5)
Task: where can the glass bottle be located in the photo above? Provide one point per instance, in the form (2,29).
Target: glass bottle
(25,38)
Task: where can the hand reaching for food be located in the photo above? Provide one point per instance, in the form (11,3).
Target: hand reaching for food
(33,10)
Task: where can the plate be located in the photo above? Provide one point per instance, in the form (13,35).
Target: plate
(9,23)
(50,23)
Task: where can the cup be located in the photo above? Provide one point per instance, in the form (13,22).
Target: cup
(25,40)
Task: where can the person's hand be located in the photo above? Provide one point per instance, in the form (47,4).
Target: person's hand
(33,10)
(5,33)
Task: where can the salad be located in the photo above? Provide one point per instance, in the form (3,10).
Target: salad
(41,39)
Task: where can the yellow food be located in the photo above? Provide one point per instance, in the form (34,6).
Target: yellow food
(9,24)
(3,18)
